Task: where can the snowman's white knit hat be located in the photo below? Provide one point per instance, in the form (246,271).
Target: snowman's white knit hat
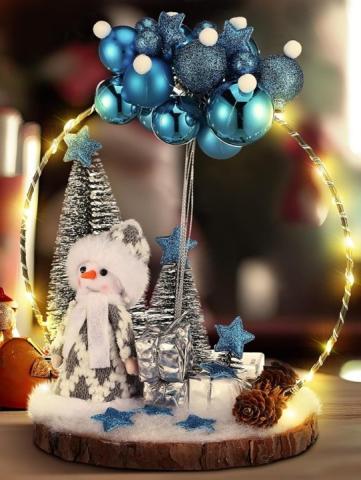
(123,251)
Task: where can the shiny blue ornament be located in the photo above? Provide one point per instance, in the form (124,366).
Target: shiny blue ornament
(213,146)
(239,118)
(110,103)
(170,246)
(193,422)
(201,26)
(148,42)
(117,50)
(200,68)
(233,338)
(244,62)
(151,89)
(176,121)
(146,23)
(145,118)
(281,77)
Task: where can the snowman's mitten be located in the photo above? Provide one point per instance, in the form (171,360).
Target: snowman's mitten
(131,366)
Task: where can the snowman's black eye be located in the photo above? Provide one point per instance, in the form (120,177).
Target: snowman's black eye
(82,269)
(103,272)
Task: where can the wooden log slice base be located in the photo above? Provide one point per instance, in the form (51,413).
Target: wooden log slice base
(242,452)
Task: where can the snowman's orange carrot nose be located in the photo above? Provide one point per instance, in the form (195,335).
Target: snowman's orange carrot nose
(91,275)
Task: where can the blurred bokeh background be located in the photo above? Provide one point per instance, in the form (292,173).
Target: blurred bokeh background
(270,245)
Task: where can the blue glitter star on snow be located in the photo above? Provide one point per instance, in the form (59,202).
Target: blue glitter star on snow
(81,147)
(113,418)
(170,246)
(169,27)
(193,422)
(155,410)
(234,39)
(233,338)
(218,370)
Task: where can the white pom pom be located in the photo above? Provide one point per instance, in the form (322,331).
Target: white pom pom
(172,14)
(208,37)
(247,83)
(292,49)
(238,22)
(142,64)
(101,29)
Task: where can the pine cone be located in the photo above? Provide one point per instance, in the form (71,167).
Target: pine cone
(259,408)
(276,375)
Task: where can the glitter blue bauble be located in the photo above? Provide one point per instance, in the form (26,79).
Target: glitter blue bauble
(200,68)
(117,50)
(281,77)
(213,146)
(176,121)
(239,118)
(148,42)
(201,26)
(152,88)
(146,23)
(145,118)
(110,104)
(243,62)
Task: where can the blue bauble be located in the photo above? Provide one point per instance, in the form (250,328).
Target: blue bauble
(145,118)
(146,23)
(281,77)
(150,89)
(176,121)
(110,104)
(213,146)
(243,62)
(188,34)
(201,26)
(148,42)
(117,50)
(200,68)
(239,118)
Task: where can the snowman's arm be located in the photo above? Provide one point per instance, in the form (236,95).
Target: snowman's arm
(56,347)
(123,329)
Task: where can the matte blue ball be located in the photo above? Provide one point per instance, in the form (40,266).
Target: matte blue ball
(200,68)
(152,88)
(146,23)
(145,118)
(148,42)
(238,118)
(201,26)
(110,104)
(281,77)
(213,146)
(176,121)
(117,50)
(244,62)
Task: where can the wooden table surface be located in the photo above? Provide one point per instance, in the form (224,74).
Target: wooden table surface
(335,456)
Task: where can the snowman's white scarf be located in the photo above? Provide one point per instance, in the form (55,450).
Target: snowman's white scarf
(94,308)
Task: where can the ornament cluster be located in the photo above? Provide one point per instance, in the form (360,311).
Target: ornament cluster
(208,83)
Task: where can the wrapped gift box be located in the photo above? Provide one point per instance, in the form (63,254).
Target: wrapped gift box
(250,366)
(164,393)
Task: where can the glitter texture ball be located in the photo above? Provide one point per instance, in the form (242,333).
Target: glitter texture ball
(244,62)
(148,42)
(146,23)
(200,68)
(281,77)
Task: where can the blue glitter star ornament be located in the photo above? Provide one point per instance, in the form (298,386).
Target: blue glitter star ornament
(170,246)
(193,422)
(156,410)
(218,370)
(236,40)
(233,338)
(113,418)
(81,147)
(170,29)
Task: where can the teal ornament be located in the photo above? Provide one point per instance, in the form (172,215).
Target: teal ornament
(176,121)
(193,422)
(170,246)
(233,338)
(236,40)
(239,118)
(200,68)
(244,62)
(110,104)
(146,23)
(171,31)
(150,89)
(281,77)
(218,370)
(113,419)
(201,26)
(81,147)
(148,42)
(117,50)
(145,118)
(213,146)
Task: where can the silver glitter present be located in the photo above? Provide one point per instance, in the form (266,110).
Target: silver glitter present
(163,393)
(174,354)
(250,366)
(147,353)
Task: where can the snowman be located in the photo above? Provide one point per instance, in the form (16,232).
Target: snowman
(94,349)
